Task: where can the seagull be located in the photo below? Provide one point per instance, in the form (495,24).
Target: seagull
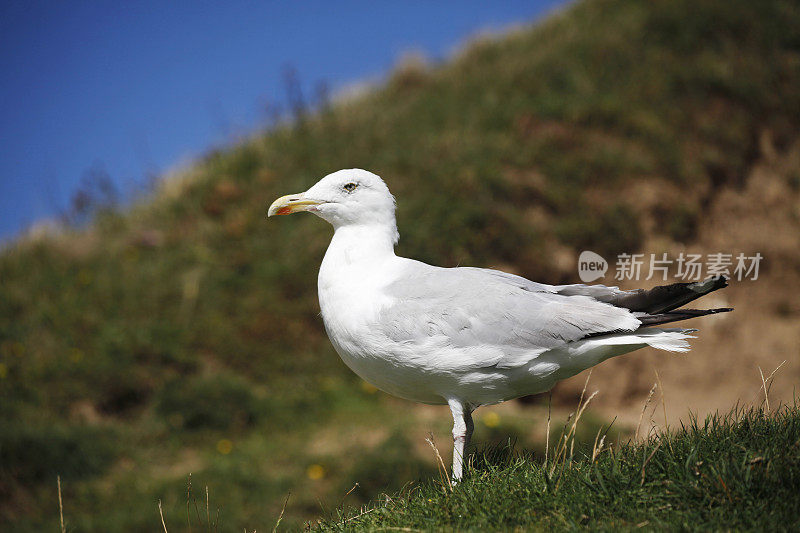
(465,336)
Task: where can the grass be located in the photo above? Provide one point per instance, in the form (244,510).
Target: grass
(740,471)
(123,342)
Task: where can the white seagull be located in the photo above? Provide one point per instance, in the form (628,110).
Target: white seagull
(466,337)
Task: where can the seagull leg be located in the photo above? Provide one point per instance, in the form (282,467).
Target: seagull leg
(462,432)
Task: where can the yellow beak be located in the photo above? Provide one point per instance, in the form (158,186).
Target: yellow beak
(291,203)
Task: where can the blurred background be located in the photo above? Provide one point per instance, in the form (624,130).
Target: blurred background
(154,324)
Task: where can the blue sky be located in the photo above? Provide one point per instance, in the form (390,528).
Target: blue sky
(139,87)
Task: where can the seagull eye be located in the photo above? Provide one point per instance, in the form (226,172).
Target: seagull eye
(350,187)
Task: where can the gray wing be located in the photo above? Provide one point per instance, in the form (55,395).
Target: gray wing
(507,315)
(602,293)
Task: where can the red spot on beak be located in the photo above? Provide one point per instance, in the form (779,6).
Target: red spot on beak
(284,211)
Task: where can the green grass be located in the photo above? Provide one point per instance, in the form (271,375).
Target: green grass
(123,343)
(731,473)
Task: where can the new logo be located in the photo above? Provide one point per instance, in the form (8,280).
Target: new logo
(591,266)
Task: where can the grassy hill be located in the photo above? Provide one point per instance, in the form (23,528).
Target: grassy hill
(182,335)
(737,472)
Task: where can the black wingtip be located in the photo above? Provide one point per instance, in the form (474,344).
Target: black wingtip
(680,314)
(665,298)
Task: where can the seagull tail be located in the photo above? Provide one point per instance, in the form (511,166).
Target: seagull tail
(669,339)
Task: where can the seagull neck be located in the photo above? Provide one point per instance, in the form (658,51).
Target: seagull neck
(356,243)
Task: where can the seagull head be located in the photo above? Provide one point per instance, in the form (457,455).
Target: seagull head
(350,197)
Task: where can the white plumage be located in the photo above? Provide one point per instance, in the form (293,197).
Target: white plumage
(465,337)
